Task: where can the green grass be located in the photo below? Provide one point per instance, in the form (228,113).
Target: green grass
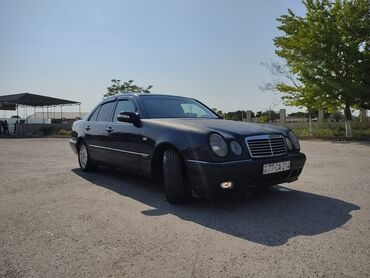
(330,132)
(361,132)
(64,132)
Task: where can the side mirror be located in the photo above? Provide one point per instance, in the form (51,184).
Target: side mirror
(129,117)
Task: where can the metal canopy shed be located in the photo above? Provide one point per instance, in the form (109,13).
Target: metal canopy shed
(12,102)
(34,100)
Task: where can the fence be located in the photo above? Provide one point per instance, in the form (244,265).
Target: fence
(23,129)
(34,130)
(320,127)
(319,122)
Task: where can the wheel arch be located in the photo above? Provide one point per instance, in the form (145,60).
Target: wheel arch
(79,141)
(156,165)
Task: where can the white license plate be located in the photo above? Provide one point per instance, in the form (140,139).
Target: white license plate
(276,167)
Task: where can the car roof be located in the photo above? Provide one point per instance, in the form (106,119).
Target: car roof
(140,95)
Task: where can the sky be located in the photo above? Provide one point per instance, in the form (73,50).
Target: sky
(210,50)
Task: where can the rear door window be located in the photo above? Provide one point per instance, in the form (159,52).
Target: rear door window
(105,113)
(94,116)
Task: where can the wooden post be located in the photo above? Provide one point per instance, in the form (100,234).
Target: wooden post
(320,117)
(249,116)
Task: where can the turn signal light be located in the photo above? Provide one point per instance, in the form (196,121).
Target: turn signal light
(227,185)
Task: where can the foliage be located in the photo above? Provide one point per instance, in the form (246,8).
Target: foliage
(219,112)
(296,93)
(126,87)
(264,119)
(330,132)
(330,49)
(298,115)
(238,115)
(267,115)
(64,132)
(328,52)
(336,117)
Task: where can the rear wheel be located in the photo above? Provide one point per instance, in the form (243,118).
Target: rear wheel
(84,160)
(174,177)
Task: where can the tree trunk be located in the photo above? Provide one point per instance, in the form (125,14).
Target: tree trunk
(348,121)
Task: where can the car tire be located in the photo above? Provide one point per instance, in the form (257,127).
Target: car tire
(174,177)
(84,160)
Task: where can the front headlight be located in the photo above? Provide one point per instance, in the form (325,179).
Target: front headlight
(294,139)
(218,144)
(289,144)
(235,147)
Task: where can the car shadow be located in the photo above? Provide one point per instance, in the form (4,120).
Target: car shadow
(271,218)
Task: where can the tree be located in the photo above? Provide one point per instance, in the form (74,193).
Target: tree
(298,115)
(329,51)
(218,111)
(295,92)
(236,115)
(126,87)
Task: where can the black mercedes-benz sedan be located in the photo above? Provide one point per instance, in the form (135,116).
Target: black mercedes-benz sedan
(184,143)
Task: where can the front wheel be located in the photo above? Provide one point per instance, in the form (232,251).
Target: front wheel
(174,177)
(84,159)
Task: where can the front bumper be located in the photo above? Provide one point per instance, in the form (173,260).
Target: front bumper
(73,145)
(205,177)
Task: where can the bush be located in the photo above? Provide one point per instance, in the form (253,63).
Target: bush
(330,132)
(47,130)
(64,132)
(361,132)
(302,131)
(264,119)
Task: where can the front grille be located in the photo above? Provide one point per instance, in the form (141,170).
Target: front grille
(266,145)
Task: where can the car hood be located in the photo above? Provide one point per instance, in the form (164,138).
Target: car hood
(223,126)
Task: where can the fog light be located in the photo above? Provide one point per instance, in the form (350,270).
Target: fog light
(227,185)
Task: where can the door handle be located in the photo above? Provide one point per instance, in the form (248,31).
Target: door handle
(87,128)
(109,129)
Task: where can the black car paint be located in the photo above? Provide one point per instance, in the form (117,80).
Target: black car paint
(139,148)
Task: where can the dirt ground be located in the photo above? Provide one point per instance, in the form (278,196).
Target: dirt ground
(56,221)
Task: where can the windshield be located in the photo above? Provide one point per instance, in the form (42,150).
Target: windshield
(175,107)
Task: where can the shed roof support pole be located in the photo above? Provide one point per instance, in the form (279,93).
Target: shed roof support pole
(79,110)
